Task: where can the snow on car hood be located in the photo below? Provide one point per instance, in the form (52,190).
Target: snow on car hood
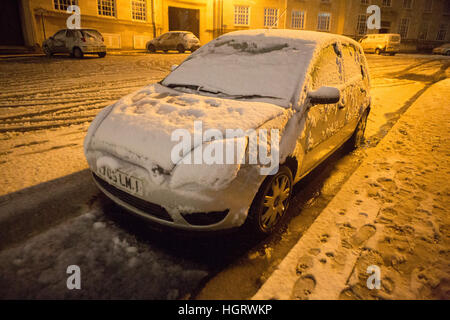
(139,126)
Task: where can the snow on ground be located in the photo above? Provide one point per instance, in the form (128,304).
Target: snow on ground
(46,106)
(48,148)
(392,213)
(107,256)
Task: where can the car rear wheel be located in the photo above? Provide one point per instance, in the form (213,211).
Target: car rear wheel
(102,54)
(270,204)
(447,53)
(357,139)
(181,48)
(47,51)
(151,48)
(77,53)
(377,51)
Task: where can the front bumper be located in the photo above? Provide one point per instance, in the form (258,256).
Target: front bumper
(182,208)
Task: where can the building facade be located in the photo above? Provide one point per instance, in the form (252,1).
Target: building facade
(129,24)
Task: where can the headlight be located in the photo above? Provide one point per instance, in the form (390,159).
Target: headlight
(211,165)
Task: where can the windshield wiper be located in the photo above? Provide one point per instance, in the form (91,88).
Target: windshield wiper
(193,87)
(253,96)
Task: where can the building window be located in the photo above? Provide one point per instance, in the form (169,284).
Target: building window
(442,33)
(428,6)
(364,1)
(323,21)
(107,8)
(386,3)
(139,10)
(64,4)
(361,26)
(298,19)
(270,17)
(407,4)
(403,28)
(423,31)
(241,15)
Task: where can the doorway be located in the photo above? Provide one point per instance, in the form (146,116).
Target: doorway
(183,19)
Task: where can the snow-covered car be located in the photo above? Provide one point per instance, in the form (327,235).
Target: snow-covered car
(381,43)
(76,42)
(309,89)
(174,40)
(444,49)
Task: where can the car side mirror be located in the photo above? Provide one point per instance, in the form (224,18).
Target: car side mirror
(324,95)
(173,67)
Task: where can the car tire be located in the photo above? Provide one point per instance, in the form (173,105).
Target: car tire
(275,191)
(357,139)
(102,54)
(151,48)
(447,53)
(393,54)
(377,51)
(181,48)
(77,53)
(47,51)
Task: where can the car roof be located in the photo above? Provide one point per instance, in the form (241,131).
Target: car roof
(298,38)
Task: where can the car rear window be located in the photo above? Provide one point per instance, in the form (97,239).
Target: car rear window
(92,34)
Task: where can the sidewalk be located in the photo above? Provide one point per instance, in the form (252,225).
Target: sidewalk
(392,213)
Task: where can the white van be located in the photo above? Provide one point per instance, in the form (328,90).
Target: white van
(381,43)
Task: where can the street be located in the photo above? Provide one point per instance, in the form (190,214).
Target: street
(46,106)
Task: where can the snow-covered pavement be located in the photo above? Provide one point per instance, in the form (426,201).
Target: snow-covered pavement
(45,108)
(392,213)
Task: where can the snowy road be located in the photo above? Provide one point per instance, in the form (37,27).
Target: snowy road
(45,107)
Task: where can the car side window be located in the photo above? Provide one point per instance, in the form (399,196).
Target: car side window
(352,64)
(327,69)
(60,35)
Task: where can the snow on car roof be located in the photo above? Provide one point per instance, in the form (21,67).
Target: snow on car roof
(261,62)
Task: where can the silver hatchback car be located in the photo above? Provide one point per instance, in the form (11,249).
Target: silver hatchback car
(75,42)
(174,40)
(159,152)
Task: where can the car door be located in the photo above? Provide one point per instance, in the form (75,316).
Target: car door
(71,37)
(172,41)
(354,89)
(163,41)
(324,121)
(59,41)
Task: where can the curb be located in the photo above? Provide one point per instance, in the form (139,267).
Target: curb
(35,209)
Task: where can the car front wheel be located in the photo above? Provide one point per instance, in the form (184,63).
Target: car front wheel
(102,54)
(151,48)
(47,51)
(270,205)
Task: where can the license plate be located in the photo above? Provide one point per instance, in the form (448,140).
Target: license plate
(122,180)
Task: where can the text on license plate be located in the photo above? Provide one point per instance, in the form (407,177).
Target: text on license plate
(122,180)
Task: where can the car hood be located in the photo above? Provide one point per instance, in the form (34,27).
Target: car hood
(139,127)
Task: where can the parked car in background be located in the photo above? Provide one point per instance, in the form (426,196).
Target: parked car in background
(174,40)
(444,49)
(77,43)
(311,89)
(381,43)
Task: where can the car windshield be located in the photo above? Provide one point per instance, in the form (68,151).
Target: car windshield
(246,67)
